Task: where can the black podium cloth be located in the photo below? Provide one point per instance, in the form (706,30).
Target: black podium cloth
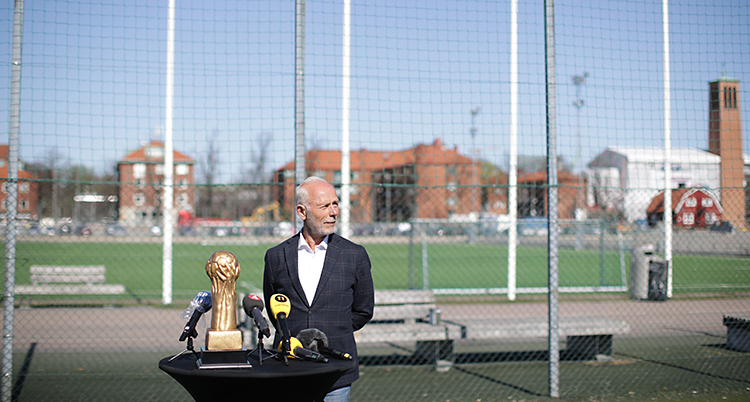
(300,381)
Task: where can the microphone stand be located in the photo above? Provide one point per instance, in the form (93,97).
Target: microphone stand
(259,347)
(189,347)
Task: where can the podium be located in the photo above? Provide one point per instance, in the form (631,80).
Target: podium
(300,381)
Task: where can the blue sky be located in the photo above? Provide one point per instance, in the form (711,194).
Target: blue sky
(93,78)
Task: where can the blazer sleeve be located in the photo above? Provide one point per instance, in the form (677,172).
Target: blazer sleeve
(364,292)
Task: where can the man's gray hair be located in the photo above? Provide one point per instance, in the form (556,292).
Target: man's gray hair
(301,194)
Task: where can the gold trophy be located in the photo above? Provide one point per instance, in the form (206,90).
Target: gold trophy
(223,339)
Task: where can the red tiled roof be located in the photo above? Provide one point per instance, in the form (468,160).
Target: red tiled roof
(22,174)
(139,155)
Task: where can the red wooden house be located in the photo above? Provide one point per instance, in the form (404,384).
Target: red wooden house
(691,208)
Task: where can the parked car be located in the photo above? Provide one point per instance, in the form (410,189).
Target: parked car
(116,230)
(186,230)
(155,230)
(36,230)
(83,230)
(65,229)
(367,230)
(223,231)
(533,227)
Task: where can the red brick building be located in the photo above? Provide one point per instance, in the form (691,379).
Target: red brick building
(428,181)
(532,194)
(141,178)
(28,188)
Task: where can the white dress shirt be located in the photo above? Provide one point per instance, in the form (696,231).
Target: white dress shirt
(310,266)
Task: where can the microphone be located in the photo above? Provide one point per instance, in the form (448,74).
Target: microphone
(308,338)
(203,304)
(315,340)
(299,351)
(253,306)
(280,307)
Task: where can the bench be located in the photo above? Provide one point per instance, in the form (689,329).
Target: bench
(588,337)
(413,316)
(408,316)
(71,279)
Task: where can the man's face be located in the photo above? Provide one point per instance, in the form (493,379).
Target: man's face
(323,209)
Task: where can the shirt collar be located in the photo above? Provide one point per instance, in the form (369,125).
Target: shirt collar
(302,245)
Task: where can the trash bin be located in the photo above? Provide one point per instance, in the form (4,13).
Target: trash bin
(657,279)
(648,274)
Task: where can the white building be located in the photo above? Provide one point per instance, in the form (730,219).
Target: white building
(628,178)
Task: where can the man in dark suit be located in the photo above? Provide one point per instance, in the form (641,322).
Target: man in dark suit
(326,278)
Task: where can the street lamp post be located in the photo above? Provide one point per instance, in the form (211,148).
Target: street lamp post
(578,81)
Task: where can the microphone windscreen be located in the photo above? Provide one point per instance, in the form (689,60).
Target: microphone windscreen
(250,302)
(309,338)
(279,304)
(204,301)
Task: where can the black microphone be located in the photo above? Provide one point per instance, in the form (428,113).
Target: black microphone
(308,337)
(315,340)
(280,307)
(253,306)
(203,301)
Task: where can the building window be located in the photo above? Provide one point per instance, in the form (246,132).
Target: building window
(139,199)
(24,187)
(688,219)
(155,152)
(158,169)
(691,202)
(182,184)
(24,205)
(182,199)
(707,203)
(139,171)
(710,218)
(181,169)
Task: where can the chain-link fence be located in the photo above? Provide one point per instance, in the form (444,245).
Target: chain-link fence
(434,121)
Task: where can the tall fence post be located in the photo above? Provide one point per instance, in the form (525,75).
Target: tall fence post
(554,347)
(11,202)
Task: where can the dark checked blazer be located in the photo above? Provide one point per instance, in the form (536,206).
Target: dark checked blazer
(344,299)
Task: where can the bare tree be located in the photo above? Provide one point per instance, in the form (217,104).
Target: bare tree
(258,193)
(209,168)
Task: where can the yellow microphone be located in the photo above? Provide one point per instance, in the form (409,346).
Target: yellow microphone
(280,308)
(298,351)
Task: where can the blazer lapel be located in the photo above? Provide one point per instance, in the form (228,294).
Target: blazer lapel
(292,265)
(332,257)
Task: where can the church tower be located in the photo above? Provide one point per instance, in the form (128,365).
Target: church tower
(725,140)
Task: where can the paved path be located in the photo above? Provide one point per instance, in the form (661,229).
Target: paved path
(132,329)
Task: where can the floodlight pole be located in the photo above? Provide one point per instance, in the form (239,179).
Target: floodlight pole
(578,81)
(345,228)
(513,159)
(667,149)
(299,105)
(167,195)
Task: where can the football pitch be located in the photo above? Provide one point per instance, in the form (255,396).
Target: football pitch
(138,266)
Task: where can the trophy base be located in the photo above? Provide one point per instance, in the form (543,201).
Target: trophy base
(223,359)
(223,340)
